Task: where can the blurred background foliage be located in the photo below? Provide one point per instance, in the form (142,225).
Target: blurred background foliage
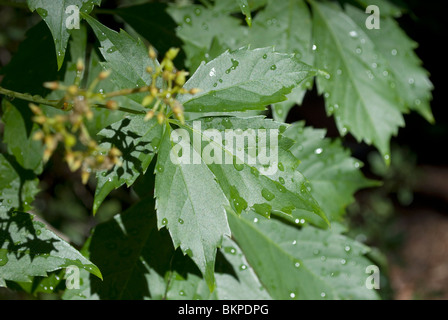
(405,220)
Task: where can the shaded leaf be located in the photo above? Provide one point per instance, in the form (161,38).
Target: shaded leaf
(138,140)
(55,14)
(29,249)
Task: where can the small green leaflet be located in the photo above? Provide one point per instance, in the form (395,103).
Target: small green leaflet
(191,205)
(29,249)
(18,135)
(245,9)
(279,22)
(334,176)
(138,140)
(126,57)
(302,264)
(244,79)
(59,16)
(17,186)
(411,79)
(198,26)
(359,91)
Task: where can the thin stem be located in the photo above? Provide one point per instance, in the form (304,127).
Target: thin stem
(123,109)
(56,103)
(125,92)
(30,98)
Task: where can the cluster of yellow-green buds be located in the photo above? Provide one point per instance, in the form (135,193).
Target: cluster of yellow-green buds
(70,129)
(159,99)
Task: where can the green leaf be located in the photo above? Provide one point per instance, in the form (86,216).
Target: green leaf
(17,185)
(126,57)
(246,285)
(277,24)
(198,26)
(302,264)
(103,117)
(132,254)
(19,140)
(410,78)
(55,15)
(245,9)
(152,21)
(29,249)
(190,204)
(138,140)
(268,186)
(235,279)
(139,262)
(40,67)
(359,89)
(243,80)
(334,176)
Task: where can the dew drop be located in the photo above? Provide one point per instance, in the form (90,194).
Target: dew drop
(243,267)
(181,293)
(273,67)
(265,56)
(297,264)
(281,167)
(187,19)
(323,295)
(343,261)
(164,221)
(281,180)
(180,221)
(292,295)
(318,151)
(314,47)
(42,12)
(394,52)
(268,195)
